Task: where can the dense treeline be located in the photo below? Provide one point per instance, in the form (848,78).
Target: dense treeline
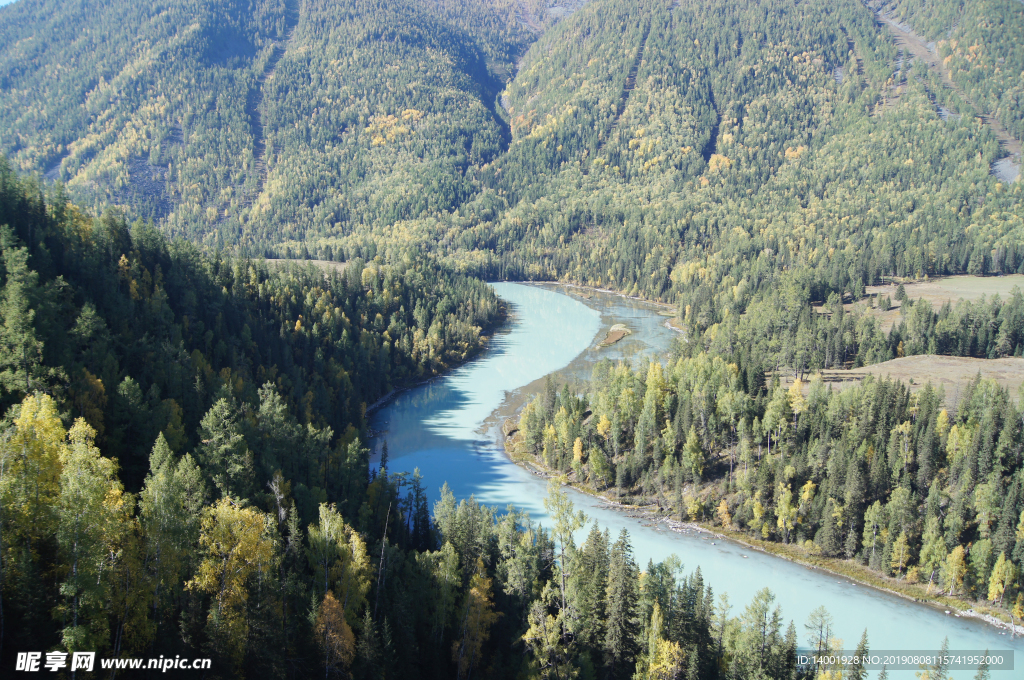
(140,335)
(875,473)
(979,48)
(784,330)
(369,588)
(680,151)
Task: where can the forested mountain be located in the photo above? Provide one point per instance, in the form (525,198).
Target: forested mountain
(217,502)
(181,467)
(682,151)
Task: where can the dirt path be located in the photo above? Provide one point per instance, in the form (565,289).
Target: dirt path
(915,44)
(254,101)
(627,89)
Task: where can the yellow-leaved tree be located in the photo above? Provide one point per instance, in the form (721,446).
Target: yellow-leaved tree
(30,465)
(239,547)
(334,635)
(477,619)
(338,556)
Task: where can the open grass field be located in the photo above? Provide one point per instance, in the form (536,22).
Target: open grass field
(950,373)
(953,288)
(937,292)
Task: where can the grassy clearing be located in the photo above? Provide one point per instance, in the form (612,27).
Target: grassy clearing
(936,291)
(950,373)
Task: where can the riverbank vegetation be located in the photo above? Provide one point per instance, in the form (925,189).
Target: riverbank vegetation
(876,474)
(181,466)
(182,474)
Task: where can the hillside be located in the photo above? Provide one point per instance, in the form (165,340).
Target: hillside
(682,151)
(182,476)
(812,184)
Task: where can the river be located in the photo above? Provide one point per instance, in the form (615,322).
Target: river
(449,429)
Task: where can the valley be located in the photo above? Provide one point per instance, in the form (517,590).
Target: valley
(608,340)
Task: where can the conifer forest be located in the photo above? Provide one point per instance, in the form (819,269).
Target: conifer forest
(232,230)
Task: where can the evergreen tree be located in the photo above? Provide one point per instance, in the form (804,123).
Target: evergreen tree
(223,453)
(621,626)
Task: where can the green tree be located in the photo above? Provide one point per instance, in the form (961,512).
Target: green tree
(622,625)
(223,453)
(567,521)
(694,457)
(340,563)
(170,521)
(762,634)
(856,668)
(21,350)
(92,511)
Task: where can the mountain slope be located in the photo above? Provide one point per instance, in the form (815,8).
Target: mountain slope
(693,152)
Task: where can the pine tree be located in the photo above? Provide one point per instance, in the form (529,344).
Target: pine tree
(856,669)
(828,536)
(223,453)
(940,669)
(21,351)
(622,625)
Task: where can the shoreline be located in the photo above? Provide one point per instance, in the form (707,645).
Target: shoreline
(485,340)
(609,291)
(949,605)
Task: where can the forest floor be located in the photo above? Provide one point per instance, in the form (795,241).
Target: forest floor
(650,515)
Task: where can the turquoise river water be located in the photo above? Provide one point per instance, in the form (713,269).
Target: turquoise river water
(449,429)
